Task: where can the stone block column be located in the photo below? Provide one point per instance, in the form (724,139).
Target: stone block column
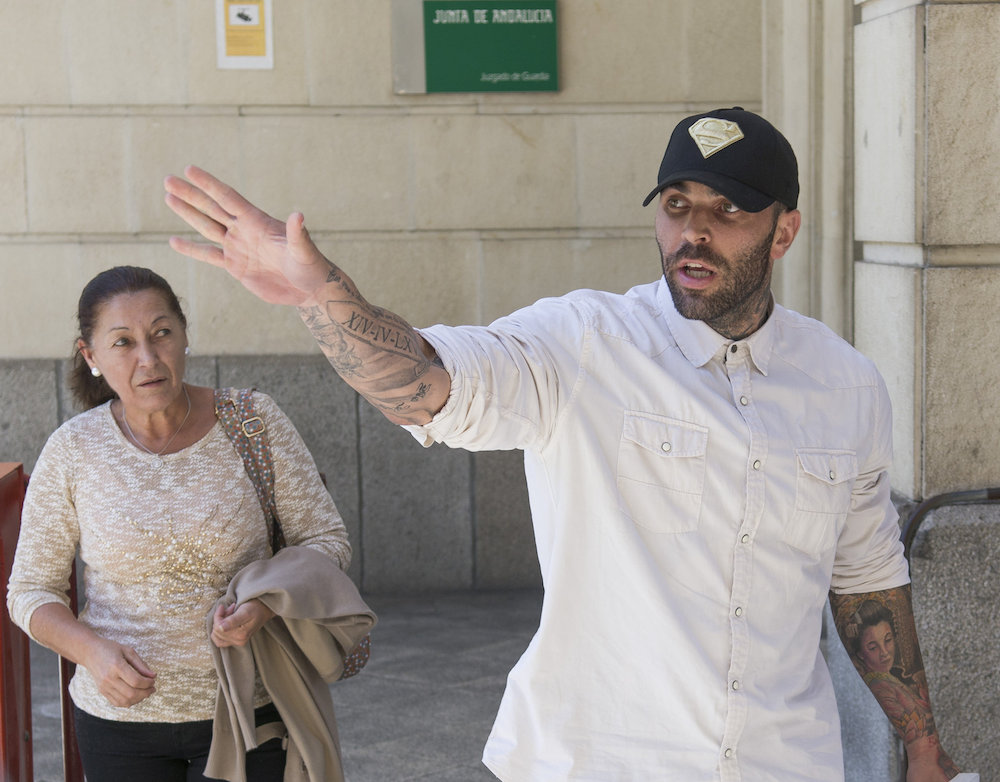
(926,289)
(927,232)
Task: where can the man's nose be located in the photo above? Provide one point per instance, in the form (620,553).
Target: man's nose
(696,228)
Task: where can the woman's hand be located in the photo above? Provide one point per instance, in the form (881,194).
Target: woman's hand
(233,626)
(122,676)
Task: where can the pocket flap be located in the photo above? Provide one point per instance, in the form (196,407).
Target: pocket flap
(665,436)
(831,467)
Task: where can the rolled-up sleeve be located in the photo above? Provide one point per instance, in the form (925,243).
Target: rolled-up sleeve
(869,554)
(508,385)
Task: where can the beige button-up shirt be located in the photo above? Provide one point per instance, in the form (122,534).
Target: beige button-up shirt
(694,500)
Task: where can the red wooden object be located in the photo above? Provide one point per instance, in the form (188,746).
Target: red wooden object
(16,763)
(15,681)
(72,765)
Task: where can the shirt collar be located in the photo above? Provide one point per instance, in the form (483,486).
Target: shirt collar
(699,342)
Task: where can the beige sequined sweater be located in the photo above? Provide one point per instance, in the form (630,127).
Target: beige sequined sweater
(159,545)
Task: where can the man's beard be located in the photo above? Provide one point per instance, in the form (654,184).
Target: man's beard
(746,276)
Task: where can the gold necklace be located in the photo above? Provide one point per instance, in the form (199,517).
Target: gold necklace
(158,454)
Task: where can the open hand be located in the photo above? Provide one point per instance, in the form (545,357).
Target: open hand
(275,261)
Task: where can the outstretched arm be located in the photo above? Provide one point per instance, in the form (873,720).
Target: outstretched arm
(375,351)
(902,693)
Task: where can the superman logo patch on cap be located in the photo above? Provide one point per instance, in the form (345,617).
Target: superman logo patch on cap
(712,134)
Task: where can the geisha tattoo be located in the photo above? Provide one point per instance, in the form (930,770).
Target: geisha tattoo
(878,631)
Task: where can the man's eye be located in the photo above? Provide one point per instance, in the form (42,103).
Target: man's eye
(729,208)
(118,343)
(675,203)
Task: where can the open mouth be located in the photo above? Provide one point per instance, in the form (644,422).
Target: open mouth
(696,271)
(694,275)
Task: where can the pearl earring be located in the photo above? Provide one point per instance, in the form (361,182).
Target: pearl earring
(95,371)
(187,351)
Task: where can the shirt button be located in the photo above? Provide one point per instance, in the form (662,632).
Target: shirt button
(733,349)
(744,401)
(745,539)
(756,464)
(728,753)
(665,447)
(736,685)
(738,611)
(833,475)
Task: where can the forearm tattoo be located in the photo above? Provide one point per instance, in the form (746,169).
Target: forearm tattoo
(878,631)
(374,350)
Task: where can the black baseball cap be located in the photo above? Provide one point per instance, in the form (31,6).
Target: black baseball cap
(736,153)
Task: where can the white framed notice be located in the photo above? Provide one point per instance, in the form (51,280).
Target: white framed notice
(243,34)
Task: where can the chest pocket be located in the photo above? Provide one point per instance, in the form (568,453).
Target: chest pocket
(661,472)
(823,485)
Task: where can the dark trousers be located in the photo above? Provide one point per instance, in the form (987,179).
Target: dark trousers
(115,751)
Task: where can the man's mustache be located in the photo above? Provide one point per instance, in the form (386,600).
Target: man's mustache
(696,252)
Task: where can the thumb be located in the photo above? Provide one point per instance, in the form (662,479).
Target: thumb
(224,617)
(133,659)
(295,231)
(301,245)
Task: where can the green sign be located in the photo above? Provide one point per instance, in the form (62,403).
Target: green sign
(490,46)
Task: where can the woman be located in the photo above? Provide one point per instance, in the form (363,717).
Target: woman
(876,644)
(150,488)
(875,655)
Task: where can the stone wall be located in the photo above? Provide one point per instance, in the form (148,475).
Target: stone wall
(445,208)
(926,288)
(459,208)
(927,227)
(955,565)
(449,208)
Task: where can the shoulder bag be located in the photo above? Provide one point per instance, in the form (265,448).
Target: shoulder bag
(235,411)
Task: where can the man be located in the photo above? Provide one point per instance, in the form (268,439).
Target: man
(704,467)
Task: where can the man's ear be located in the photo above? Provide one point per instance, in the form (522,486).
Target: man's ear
(785,232)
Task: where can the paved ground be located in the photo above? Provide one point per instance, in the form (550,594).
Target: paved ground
(421,709)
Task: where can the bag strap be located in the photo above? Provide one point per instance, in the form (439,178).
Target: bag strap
(235,411)
(248,433)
